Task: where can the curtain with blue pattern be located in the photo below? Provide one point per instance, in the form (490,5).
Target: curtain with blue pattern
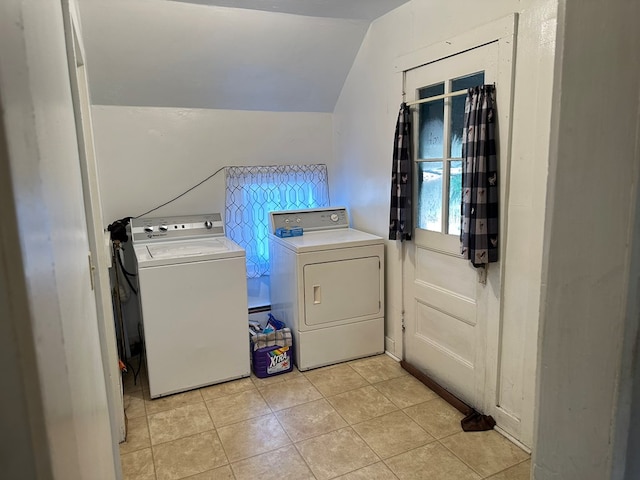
(253,192)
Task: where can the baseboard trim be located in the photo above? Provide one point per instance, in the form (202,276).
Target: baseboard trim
(389,354)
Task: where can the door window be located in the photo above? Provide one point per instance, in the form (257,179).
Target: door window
(439,152)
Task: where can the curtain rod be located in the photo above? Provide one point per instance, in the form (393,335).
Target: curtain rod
(438,97)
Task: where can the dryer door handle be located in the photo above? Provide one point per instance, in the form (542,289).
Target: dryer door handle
(317,295)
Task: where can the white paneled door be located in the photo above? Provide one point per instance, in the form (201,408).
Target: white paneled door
(448,305)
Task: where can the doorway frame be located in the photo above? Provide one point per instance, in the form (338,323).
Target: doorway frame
(99,242)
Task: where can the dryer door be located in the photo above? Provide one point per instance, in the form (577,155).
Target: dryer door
(342,291)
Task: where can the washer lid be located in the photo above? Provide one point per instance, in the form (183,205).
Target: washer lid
(186,251)
(328,240)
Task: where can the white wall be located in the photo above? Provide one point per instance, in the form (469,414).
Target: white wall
(20,398)
(147,156)
(589,327)
(52,310)
(364,121)
(172,54)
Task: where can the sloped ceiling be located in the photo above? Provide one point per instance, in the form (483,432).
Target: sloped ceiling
(354,9)
(288,55)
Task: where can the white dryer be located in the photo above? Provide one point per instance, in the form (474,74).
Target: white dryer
(327,285)
(193,299)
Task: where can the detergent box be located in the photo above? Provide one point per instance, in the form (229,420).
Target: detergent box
(274,360)
(272,349)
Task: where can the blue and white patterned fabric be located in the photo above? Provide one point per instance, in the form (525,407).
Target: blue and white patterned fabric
(480,208)
(253,192)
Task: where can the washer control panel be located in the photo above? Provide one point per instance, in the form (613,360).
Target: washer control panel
(148,229)
(310,219)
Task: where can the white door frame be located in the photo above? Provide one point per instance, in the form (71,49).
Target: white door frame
(504,32)
(98,239)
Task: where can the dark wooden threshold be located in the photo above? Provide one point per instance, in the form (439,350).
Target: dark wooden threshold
(441,391)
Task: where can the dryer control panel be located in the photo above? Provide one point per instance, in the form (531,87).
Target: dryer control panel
(311,219)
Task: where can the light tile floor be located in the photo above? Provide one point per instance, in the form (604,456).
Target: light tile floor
(366,419)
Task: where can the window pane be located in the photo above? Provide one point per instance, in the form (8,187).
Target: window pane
(455,196)
(431,123)
(457,109)
(430,196)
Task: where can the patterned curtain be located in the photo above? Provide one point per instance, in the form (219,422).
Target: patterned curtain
(253,192)
(401,210)
(479,231)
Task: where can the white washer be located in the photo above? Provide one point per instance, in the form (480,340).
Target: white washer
(193,299)
(327,286)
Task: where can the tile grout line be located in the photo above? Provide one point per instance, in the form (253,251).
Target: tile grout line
(394,456)
(507,468)
(285,430)
(458,457)
(325,398)
(215,430)
(150,447)
(383,460)
(271,413)
(260,390)
(473,469)
(348,425)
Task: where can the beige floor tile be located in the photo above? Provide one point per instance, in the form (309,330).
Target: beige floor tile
(486,452)
(405,391)
(227,388)
(361,404)
(134,404)
(137,435)
(283,377)
(310,419)
(431,461)
(290,393)
(392,434)
(339,379)
(179,422)
(437,417)
(252,437)
(145,384)
(379,368)
(282,464)
(522,471)
(238,407)
(261,383)
(221,473)
(336,453)
(130,385)
(188,456)
(138,465)
(377,471)
(172,401)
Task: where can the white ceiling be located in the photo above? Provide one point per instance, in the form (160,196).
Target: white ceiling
(274,55)
(353,9)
